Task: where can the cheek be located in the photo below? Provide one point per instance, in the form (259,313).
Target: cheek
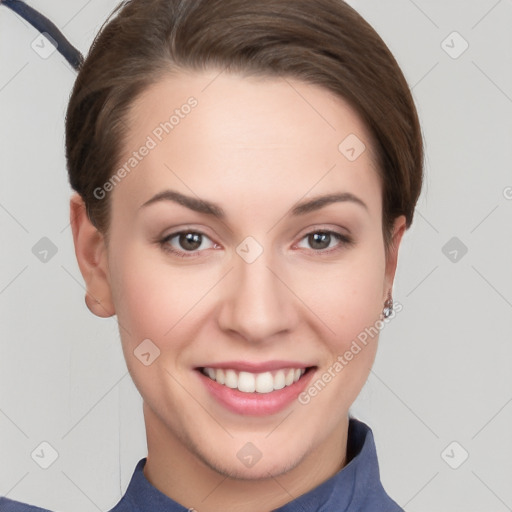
(347,295)
(349,301)
(156,302)
(153,299)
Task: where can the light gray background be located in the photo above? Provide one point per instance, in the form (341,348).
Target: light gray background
(442,372)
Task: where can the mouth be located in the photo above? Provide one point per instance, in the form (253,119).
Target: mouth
(255,388)
(252,382)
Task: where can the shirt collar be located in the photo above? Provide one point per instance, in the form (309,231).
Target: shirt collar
(352,485)
(357,483)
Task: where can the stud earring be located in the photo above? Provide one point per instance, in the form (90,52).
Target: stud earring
(388,306)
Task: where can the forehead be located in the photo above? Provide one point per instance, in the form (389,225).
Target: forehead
(215,134)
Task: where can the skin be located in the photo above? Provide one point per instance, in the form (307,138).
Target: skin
(256,147)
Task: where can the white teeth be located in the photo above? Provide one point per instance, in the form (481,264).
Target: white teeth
(231,379)
(221,378)
(279,380)
(264,382)
(248,382)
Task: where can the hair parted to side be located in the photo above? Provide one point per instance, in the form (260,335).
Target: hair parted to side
(322,42)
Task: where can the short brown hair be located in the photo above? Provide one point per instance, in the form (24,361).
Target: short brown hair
(323,42)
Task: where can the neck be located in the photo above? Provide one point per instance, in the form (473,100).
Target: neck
(176,470)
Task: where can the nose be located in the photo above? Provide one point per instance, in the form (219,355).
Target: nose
(259,303)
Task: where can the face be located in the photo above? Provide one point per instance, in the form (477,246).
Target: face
(254,286)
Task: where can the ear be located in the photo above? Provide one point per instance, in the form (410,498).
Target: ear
(91,255)
(399,228)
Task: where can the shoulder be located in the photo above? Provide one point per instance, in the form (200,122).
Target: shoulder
(7,505)
(368,492)
(124,505)
(380,502)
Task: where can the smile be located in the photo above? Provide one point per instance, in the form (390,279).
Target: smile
(248,382)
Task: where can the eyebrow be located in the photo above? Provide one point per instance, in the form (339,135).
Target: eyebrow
(209,208)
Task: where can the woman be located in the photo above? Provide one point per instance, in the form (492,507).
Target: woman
(244,174)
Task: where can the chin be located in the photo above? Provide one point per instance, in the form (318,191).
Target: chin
(260,471)
(263,468)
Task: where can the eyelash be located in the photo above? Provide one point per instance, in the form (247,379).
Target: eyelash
(346,241)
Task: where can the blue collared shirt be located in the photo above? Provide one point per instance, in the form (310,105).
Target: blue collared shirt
(356,487)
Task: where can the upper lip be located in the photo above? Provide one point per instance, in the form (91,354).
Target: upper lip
(254,367)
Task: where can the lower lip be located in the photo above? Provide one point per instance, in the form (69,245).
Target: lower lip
(256,404)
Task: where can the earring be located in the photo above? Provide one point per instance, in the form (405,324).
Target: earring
(388,306)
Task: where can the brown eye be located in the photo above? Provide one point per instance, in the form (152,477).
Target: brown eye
(184,243)
(190,241)
(321,241)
